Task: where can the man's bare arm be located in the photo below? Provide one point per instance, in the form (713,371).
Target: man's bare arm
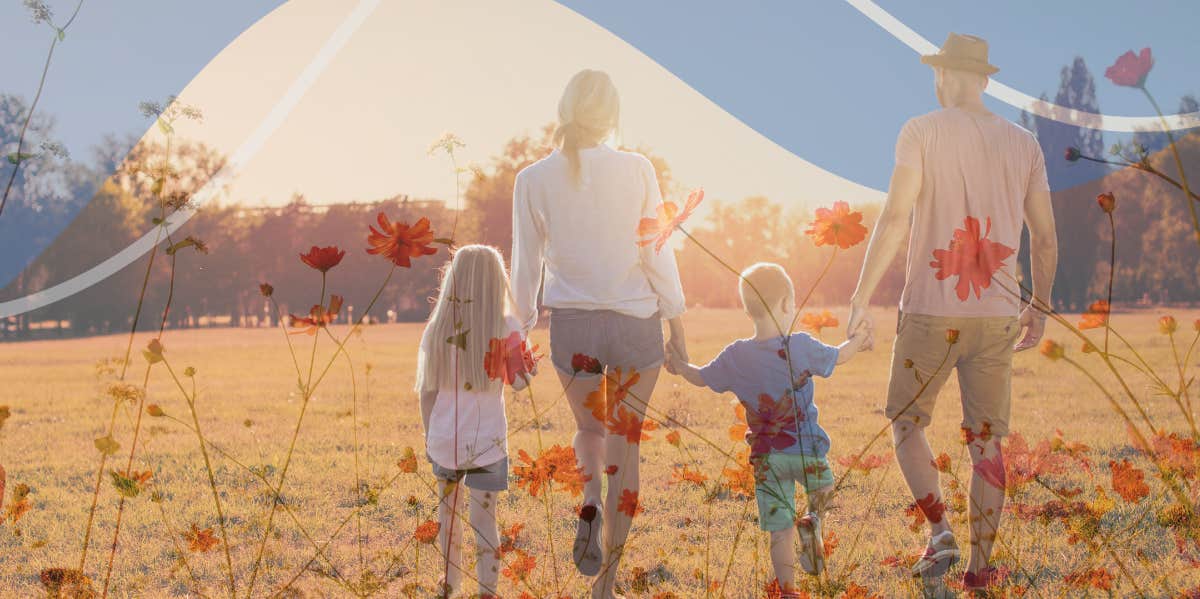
(1043,261)
(890,231)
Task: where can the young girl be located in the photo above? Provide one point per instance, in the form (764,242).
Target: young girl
(462,406)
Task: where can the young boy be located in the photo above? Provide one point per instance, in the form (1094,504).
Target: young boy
(770,375)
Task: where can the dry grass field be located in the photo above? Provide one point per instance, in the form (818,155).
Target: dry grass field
(684,543)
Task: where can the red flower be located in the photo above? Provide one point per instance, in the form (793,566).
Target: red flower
(772,424)
(951,336)
(586,363)
(932,507)
(318,317)
(1167,325)
(426,532)
(1107,201)
(942,462)
(625,423)
(673,438)
(863,463)
(1096,315)
(399,242)
(554,464)
(972,258)
(815,322)
(1131,69)
(324,258)
(629,503)
(838,226)
(520,567)
(508,358)
(992,471)
(658,230)
(1128,481)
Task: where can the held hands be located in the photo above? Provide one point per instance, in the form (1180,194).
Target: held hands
(861,324)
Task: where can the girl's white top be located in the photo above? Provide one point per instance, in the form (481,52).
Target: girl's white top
(585,236)
(467,429)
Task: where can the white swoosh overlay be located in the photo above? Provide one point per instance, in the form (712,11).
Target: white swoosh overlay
(1021,100)
(250,146)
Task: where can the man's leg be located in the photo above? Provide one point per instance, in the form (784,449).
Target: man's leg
(987,501)
(916,463)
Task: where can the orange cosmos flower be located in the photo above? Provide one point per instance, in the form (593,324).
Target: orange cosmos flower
(673,438)
(1128,481)
(658,230)
(1107,201)
(1167,325)
(629,503)
(399,242)
(838,226)
(318,317)
(508,358)
(951,336)
(1051,349)
(555,464)
(625,423)
(683,474)
(200,541)
(323,259)
(815,322)
(1096,315)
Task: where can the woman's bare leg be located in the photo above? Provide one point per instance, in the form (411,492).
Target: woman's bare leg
(589,432)
(624,455)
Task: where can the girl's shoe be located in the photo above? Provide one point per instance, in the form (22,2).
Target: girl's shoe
(941,553)
(586,550)
(812,544)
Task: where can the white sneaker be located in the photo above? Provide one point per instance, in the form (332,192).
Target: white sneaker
(812,544)
(941,553)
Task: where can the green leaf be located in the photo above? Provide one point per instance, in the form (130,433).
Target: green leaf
(62,34)
(15,158)
(124,485)
(179,245)
(459,340)
(165,127)
(107,445)
(444,241)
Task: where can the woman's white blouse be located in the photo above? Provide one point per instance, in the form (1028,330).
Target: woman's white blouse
(585,237)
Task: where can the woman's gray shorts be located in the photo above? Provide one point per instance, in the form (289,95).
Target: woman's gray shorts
(615,339)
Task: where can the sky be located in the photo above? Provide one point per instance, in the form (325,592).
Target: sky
(799,101)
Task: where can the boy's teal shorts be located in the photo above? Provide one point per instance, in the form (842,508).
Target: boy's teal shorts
(775,491)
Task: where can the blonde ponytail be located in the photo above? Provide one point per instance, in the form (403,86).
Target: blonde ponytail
(587,115)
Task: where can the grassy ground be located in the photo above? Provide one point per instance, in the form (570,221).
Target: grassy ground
(248,405)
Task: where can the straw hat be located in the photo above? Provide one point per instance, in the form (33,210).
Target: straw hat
(963,52)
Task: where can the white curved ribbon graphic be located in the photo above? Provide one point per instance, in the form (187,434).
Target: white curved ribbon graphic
(1021,100)
(252,144)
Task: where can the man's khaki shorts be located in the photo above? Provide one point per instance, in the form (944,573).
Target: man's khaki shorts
(922,359)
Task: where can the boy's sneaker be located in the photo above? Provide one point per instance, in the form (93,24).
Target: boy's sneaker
(941,553)
(586,551)
(812,544)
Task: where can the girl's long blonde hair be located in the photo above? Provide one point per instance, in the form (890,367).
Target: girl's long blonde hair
(472,302)
(588,114)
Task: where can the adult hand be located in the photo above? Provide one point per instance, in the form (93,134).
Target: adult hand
(676,343)
(861,322)
(1034,323)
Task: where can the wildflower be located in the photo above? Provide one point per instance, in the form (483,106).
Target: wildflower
(942,462)
(318,317)
(863,464)
(1051,349)
(508,358)
(974,259)
(970,436)
(603,401)
(1072,154)
(189,372)
(124,392)
(1167,325)
(266,289)
(658,230)
(1128,481)
(1088,347)
(554,464)
(521,567)
(951,336)
(741,480)
(772,424)
(154,351)
(838,226)
(323,259)
(628,504)
(155,411)
(509,537)
(739,430)
(1196,324)
(1098,578)
(815,322)
(684,474)
(1025,464)
(1096,315)
(446,143)
(1107,201)
(625,423)
(1131,69)
(673,438)
(38,11)
(426,532)
(399,242)
(200,541)
(64,582)
(932,507)
(908,363)
(611,469)
(408,461)
(586,363)
(992,471)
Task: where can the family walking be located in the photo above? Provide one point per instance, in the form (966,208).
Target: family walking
(964,184)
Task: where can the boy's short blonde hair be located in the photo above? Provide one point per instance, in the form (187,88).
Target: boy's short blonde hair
(772,283)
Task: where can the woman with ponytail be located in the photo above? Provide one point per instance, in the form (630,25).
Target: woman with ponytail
(575,218)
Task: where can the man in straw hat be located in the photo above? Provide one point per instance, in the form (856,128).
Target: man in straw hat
(965,182)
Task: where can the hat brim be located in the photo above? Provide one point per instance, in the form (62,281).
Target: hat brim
(962,64)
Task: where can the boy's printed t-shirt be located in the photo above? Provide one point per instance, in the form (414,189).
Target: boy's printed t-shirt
(756,371)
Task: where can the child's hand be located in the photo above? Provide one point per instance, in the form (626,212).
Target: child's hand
(864,339)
